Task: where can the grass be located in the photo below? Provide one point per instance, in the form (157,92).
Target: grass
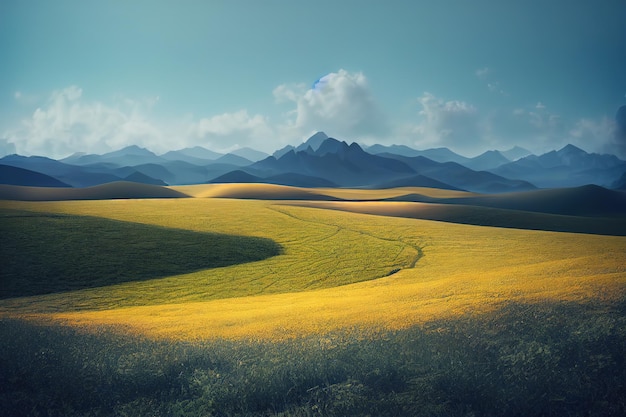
(550,359)
(473,321)
(324,280)
(47,253)
(314,254)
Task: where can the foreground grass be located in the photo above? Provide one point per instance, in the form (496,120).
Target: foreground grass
(44,253)
(523,360)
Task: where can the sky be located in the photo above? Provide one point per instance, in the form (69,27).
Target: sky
(95,76)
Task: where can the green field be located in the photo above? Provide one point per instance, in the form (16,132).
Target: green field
(227,307)
(47,253)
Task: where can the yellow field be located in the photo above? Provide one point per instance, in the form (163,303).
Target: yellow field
(333,273)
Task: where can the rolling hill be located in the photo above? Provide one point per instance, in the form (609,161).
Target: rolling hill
(289,179)
(416,181)
(589,200)
(108,191)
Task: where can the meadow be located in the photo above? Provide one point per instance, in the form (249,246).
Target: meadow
(327,313)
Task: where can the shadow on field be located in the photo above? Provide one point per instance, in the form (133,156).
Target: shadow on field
(524,360)
(45,253)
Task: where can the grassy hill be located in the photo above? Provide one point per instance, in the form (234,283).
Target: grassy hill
(359,314)
(440,269)
(112,190)
(50,253)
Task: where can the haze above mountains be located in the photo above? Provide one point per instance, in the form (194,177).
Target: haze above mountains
(325,162)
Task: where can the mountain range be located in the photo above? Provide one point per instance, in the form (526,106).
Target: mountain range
(325,162)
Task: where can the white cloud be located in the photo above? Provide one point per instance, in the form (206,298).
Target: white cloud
(463,128)
(339,103)
(288,92)
(6,147)
(452,123)
(68,123)
(236,129)
(532,127)
(596,135)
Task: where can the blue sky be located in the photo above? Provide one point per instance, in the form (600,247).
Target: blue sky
(95,76)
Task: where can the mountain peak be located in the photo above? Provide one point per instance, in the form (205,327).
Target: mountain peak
(135,148)
(569,148)
(130,150)
(250,154)
(330,145)
(314,142)
(515,153)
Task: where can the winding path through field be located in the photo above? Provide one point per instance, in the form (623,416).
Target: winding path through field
(332,274)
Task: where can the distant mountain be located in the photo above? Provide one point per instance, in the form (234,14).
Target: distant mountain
(443,155)
(299,180)
(394,149)
(73,157)
(196,155)
(417,181)
(236,176)
(349,166)
(337,162)
(282,151)
(291,179)
(516,153)
(314,142)
(76,176)
(486,161)
(250,154)
(182,173)
(171,172)
(158,173)
(233,159)
(128,156)
(19,176)
(435,154)
(567,167)
(461,177)
(321,161)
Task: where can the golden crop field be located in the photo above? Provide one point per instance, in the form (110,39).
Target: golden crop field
(338,271)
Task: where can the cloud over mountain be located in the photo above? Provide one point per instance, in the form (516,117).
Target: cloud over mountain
(440,122)
(340,103)
(237,128)
(67,123)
